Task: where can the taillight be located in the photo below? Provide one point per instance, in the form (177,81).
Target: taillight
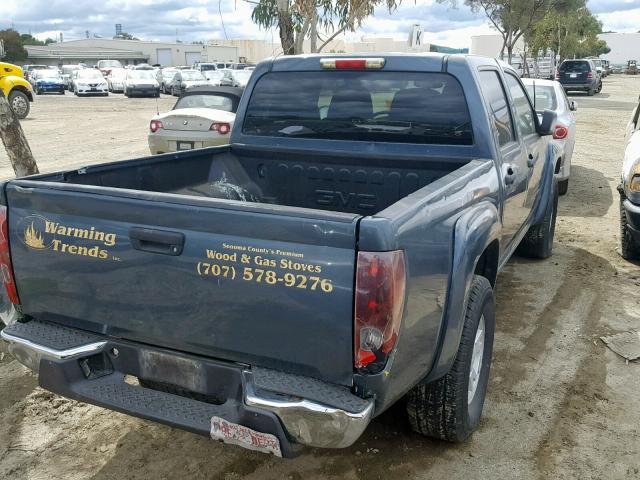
(557,74)
(221,128)
(155,125)
(5,258)
(352,63)
(589,74)
(560,132)
(379,302)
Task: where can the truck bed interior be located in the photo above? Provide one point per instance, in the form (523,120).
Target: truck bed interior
(339,183)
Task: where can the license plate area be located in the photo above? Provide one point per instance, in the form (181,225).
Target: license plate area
(573,75)
(234,434)
(185,145)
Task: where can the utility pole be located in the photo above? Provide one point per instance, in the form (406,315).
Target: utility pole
(15,141)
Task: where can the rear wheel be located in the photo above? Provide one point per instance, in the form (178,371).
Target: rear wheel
(450,408)
(19,103)
(538,242)
(628,245)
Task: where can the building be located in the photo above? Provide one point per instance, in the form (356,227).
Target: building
(491,46)
(253,51)
(624,47)
(90,50)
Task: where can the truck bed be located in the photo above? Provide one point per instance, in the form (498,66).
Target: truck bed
(332,182)
(222,252)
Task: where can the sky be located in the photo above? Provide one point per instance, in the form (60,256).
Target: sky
(194,20)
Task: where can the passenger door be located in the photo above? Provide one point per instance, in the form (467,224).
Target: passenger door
(514,168)
(533,145)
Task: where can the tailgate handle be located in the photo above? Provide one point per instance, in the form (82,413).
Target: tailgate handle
(156,241)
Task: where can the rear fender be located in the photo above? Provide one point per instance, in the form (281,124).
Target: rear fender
(474,232)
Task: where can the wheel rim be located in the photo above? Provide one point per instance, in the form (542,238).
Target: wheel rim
(19,105)
(476,360)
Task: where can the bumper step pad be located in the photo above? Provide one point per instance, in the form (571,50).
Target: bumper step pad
(50,335)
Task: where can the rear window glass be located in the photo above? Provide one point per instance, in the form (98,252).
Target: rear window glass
(426,108)
(543,96)
(219,102)
(575,66)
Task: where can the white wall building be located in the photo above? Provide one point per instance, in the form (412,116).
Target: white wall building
(132,51)
(624,47)
(491,45)
(255,50)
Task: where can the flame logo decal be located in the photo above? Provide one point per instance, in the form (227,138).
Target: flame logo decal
(33,238)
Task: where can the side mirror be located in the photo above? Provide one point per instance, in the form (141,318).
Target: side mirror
(549,119)
(573,106)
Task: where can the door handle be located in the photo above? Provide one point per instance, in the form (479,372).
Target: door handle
(157,241)
(531,161)
(509,174)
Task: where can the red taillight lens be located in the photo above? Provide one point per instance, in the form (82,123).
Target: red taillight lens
(557,74)
(352,63)
(221,128)
(589,74)
(155,125)
(379,302)
(5,259)
(560,132)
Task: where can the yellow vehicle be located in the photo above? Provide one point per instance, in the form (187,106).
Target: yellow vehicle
(17,90)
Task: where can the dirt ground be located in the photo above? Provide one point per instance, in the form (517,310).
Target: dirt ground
(560,404)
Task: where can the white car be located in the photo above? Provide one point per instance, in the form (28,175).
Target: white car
(629,189)
(202,117)
(115,80)
(550,95)
(141,83)
(89,81)
(214,77)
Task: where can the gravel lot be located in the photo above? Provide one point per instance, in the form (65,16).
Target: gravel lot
(560,404)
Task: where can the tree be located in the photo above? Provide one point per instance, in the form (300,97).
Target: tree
(15,142)
(297,20)
(569,35)
(126,36)
(516,18)
(13,46)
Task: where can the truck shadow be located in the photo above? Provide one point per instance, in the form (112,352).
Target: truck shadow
(589,195)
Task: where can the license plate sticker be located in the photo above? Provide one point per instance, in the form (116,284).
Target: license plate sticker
(185,145)
(245,437)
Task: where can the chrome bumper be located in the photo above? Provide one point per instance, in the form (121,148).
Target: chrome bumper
(29,354)
(307,422)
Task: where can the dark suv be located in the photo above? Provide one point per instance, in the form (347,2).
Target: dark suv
(580,75)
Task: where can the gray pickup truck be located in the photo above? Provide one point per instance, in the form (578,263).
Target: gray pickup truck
(339,255)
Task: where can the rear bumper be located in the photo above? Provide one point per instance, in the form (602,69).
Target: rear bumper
(94,369)
(142,91)
(164,141)
(579,86)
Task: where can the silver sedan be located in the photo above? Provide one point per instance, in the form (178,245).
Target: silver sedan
(549,95)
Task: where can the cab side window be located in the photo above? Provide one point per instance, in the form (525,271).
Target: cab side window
(525,116)
(496,98)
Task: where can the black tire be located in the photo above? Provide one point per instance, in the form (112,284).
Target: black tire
(18,97)
(628,246)
(538,242)
(441,409)
(563,187)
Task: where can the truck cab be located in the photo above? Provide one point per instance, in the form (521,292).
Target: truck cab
(16,89)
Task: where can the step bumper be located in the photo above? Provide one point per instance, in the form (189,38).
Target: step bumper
(94,369)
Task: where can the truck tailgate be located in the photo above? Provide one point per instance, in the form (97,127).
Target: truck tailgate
(242,282)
